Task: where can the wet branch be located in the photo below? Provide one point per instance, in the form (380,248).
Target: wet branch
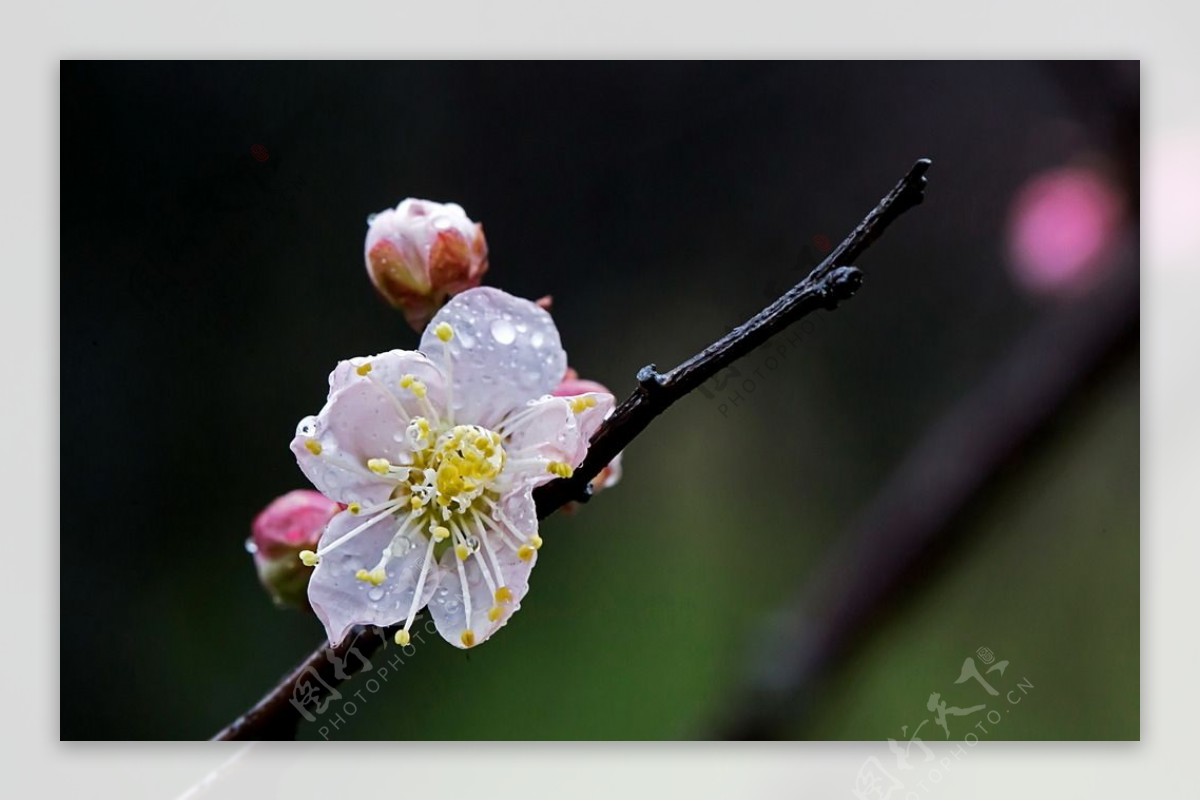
(275,716)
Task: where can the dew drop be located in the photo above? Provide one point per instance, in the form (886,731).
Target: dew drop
(375,593)
(503,332)
(464,339)
(537,339)
(307,427)
(251,547)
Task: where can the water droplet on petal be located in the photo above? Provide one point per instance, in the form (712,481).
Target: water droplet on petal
(251,547)
(376,593)
(503,332)
(537,339)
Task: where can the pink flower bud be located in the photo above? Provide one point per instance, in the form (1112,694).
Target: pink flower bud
(290,524)
(570,386)
(421,253)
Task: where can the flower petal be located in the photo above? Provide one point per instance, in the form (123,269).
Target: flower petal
(504,352)
(365,418)
(342,601)
(519,510)
(385,371)
(449,604)
(550,430)
(358,423)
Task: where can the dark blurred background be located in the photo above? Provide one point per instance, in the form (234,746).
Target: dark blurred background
(213,217)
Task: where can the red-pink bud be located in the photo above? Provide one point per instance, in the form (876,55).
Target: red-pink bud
(288,525)
(421,253)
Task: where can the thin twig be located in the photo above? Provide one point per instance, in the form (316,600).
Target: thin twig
(833,280)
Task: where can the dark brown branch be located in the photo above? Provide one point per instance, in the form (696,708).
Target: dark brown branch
(832,280)
(274,717)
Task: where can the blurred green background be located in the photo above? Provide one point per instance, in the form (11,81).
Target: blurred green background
(207,293)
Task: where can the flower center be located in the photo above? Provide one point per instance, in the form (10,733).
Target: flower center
(453,469)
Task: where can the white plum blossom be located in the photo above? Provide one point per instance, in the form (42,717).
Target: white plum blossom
(435,454)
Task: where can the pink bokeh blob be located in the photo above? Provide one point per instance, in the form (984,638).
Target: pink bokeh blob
(1062,229)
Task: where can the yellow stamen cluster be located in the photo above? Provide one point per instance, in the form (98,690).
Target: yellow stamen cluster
(462,464)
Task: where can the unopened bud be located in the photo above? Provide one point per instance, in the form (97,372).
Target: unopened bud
(421,253)
(288,525)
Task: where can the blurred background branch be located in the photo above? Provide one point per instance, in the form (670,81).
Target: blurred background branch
(912,521)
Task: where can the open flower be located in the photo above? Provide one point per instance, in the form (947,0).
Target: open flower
(436,454)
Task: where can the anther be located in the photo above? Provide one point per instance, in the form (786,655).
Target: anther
(525,553)
(495,613)
(402,637)
(444,332)
(309,558)
(462,551)
(503,595)
(354,508)
(313,446)
(581,403)
(380,466)
(468,638)
(363,368)
(536,542)
(560,469)
(440,533)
